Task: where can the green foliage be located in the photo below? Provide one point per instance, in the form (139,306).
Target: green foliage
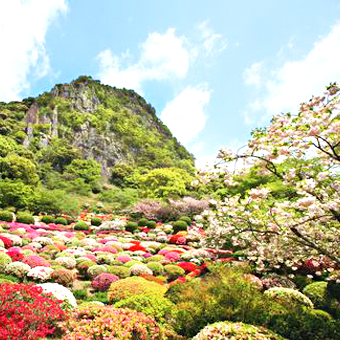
(122,198)
(235,331)
(151,224)
(288,296)
(223,295)
(159,308)
(7,145)
(15,167)
(165,182)
(15,194)
(59,153)
(143,222)
(24,217)
(81,225)
(96,221)
(120,271)
(132,286)
(87,169)
(131,226)
(6,216)
(61,220)
(179,225)
(80,294)
(156,267)
(318,293)
(173,271)
(47,219)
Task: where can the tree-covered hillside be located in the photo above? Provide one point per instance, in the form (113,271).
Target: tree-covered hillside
(83,137)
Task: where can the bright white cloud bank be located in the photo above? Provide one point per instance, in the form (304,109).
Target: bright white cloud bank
(23,27)
(185,115)
(163,57)
(296,81)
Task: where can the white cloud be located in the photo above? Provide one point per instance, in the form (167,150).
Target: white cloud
(23,27)
(211,40)
(252,75)
(296,81)
(185,114)
(163,57)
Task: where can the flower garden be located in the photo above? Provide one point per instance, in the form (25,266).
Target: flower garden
(122,279)
(259,261)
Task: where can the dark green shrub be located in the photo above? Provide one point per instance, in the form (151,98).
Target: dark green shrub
(6,216)
(122,272)
(156,267)
(159,308)
(60,220)
(322,299)
(222,295)
(24,217)
(98,296)
(173,271)
(306,324)
(151,224)
(179,226)
(187,219)
(235,331)
(143,222)
(131,226)
(47,219)
(80,294)
(9,278)
(81,225)
(96,221)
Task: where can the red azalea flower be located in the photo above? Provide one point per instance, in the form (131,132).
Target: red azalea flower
(137,247)
(187,266)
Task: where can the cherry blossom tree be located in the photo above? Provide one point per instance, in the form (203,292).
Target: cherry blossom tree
(303,152)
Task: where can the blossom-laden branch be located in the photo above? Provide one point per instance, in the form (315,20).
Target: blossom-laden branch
(290,229)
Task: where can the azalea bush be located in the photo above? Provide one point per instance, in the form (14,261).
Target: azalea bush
(302,153)
(98,322)
(27,313)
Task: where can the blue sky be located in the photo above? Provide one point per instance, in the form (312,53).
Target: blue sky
(213,70)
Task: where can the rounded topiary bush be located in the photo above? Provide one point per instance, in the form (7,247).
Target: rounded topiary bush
(131,226)
(288,296)
(24,217)
(120,271)
(321,297)
(317,292)
(235,331)
(81,225)
(61,220)
(47,219)
(103,281)
(4,261)
(6,216)
(159,308)
(151,224)
(143,222)
(134,285)
(98,322)
(96,221)
(63,276)
(173,271)
(97,269)
(187,219)
(179,226)
(156,267)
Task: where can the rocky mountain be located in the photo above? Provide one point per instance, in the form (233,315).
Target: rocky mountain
(88,120)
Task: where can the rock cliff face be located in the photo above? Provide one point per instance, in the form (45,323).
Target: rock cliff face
(103,123)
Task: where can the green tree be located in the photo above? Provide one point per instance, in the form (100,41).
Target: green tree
(18,168)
